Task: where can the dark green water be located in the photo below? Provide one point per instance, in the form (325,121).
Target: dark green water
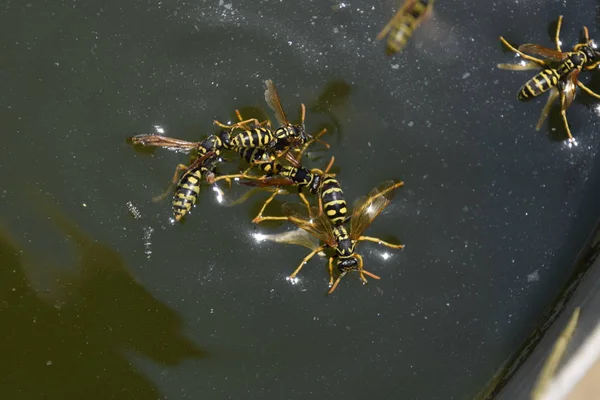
(493,213)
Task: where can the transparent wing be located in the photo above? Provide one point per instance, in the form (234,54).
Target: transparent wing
(315,224)
(298,237)
(367,208)
(544,52)
(567,94)
(274,103)
(546,110)
(163,141)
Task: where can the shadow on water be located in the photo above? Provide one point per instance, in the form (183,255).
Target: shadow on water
(82,339)
(335,94)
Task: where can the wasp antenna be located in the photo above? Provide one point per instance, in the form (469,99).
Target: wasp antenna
(370,274)
(337,281)
(303,113)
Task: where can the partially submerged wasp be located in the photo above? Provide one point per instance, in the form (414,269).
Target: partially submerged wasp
(260,146)
(261,135)
(560,72)
(187,185)
(325,186)
(402,25)
(317,224)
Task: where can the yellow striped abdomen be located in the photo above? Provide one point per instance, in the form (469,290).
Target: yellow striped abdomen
(258,137)
(402,31)
(541,83)
(186,193)
(334,204)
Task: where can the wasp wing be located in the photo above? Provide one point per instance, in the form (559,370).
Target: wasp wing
(265,182)
(272,98)
(567,92)
(298,237)
(316,224)
(546,110)
(163,141)
(367,208)
(544,52)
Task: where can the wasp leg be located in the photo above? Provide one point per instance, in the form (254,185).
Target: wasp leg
(588,90)
(240,124)
(519,67)
(173,182)
(303,199)
(386,191)
(241,120)
(363,271)
(305,260)
(525,56)
(330,268)
(557,36)
(243,197)
(259,218)
(303,113)
(377,240)
(546,110)
(564,116)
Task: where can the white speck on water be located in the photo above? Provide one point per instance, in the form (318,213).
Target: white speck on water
(395,66)
(466,75)
(49,362)
(534,276)
(147,241)
(410,124)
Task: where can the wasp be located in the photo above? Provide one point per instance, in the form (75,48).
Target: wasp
(266,153)
(262,136)
(337,237)
(187,185)
(402,25)
(327,188)
(559,74)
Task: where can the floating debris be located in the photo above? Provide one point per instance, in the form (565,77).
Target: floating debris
(147,242)
(133,210)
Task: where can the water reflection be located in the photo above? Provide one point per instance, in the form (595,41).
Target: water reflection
(335,94)
(103,312)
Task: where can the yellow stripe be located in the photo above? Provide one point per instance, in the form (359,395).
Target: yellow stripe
(334,202)
(546,78)
(332,190)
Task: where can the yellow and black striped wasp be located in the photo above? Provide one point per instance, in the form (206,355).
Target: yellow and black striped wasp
(327,188)
(203,164)
(560,73)
(316,224)
(262,147)
(261,135)
(402,25)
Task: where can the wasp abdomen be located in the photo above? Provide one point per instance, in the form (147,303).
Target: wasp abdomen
(334,203)
(257,137)
(186,193)
(541,83)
